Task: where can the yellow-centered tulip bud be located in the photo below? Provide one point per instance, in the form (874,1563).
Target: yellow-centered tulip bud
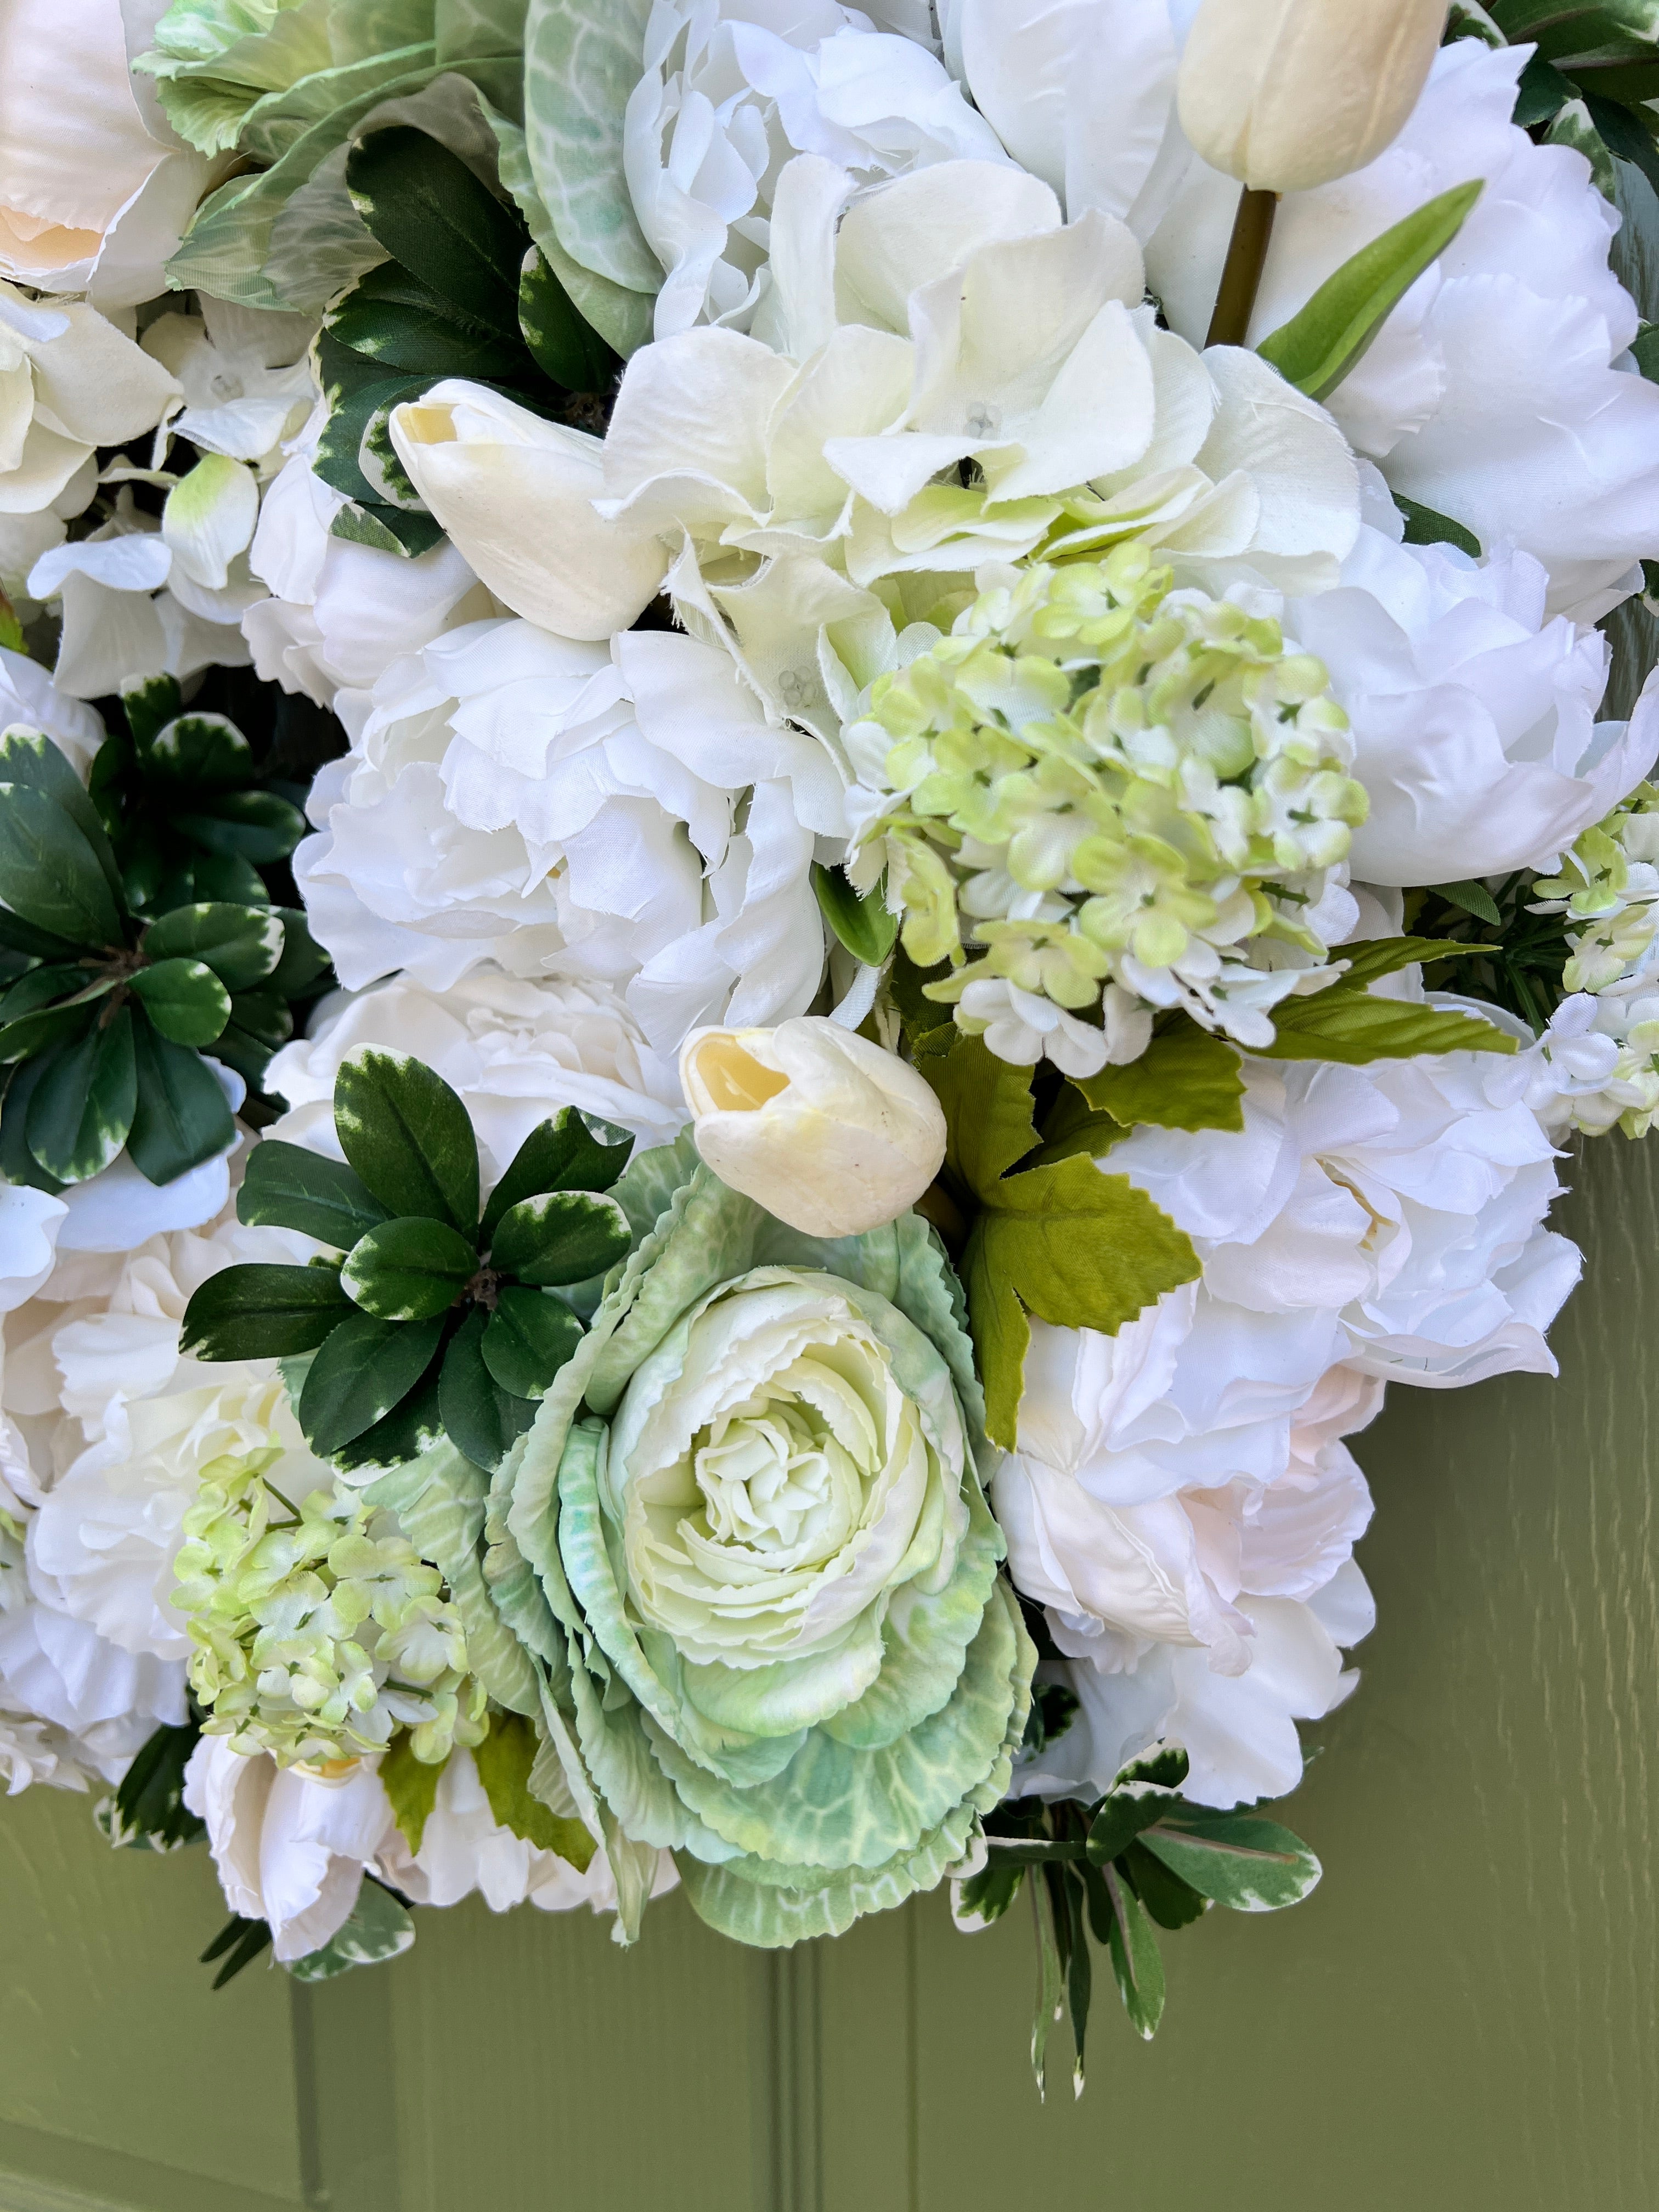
(1286,94)
(823,1129)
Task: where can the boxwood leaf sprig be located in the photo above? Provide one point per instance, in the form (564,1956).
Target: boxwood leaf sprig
(437,1315)
(105,1009)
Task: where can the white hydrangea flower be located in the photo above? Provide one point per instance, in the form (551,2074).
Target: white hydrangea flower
(1212,1616)
(1473,716)
(245,377)
(729,92)
(626,818)
(514,1050)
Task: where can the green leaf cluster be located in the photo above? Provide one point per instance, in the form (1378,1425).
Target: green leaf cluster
(1139,1858)
(463,292)
(108,1005)
(147,1811)
(436,1317)
(378,1927)
(1590,82)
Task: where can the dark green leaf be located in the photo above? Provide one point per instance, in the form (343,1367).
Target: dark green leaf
(391,317)
(1167,1767)
(286,1187)
(1646,349)
(206,752)
(1248,1865)
(378,1927)
(1425,527)
(251,825)
(49,873)
(370,522)
(240,944)
(359,1374)
(264,1312)
(27,756)
(861,921)
(32,1034)
(1119,1820)
(504,1761)
(337,460)
(480,1418)
(927,1025)
(1473,899)
(17,1162)
(408,1136)
(986,1895)
(1543,91)
(408,1269)
(1079,1971)
(83,1108)
(17,935)
(1171,1902)
(562,1237)
(42,986)
(263,1015)
(180,1116)
(1135,1955)
(303,959)
(414,1423)
(565,345)
(562,1154)
(527,1339)
(435,217)
(185,1000)
(149,1806)
(244,1940)
(149,703)
(1330,335)
(1628,133)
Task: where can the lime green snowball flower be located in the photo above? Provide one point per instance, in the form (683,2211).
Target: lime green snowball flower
(753,1503)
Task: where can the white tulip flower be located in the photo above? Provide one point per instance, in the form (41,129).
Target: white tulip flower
(823,1129)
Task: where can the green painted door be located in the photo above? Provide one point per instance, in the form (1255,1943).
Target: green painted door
(1464,2016)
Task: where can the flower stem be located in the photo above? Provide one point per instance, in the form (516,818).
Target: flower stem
(1241,275)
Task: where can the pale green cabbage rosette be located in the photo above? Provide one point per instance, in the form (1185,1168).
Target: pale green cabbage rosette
(752,1499)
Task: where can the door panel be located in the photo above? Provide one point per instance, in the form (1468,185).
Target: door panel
(1462,2017)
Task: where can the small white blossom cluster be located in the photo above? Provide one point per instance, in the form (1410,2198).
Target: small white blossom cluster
(1126,797)
(318,1630)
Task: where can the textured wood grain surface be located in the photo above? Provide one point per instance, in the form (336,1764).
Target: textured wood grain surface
(1462,2017)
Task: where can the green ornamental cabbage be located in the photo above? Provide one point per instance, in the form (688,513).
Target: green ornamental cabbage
(765,1595)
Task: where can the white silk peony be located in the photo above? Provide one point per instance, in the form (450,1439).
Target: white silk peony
(95,188)
(625,818)
(1210,1617)
(1473,716)
(728,93)
(515,1051)
(338,614)
(798,479)
(1407,1198)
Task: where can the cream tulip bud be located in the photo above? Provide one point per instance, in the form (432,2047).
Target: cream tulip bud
(823,1129)
(1286,94)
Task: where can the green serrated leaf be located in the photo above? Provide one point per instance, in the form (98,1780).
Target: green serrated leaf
(49,873)
(1352,1027)
(1185,1080)
(504,1761)
(479,1418)
(1246,1864)
(362,1371)
(560,1236)
(1063,1240)
(286,1187)
(180,1116)
(1474,898)
(241,944)
(378,1927)
(1329,337)
(411,1784)
(82,1106)
(408,1269)
(185,1000)
(263,1312)
(562,342)
(562,1154)
(527,1339)
(408,1136)
(861,922)
(390,318)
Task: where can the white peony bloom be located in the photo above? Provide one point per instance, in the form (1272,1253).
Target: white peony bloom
(625,817)
(1473,716)
(291,1847)
(943,319)
(462,1848)
(728,93)
(339,614)
(515,1051)
(1490,395)
(95,188)
(1407,1198)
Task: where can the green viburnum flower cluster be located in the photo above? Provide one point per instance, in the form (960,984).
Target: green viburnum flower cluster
(1114,793)
(319,1628)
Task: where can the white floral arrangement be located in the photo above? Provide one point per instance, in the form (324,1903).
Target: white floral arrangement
(808,819)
